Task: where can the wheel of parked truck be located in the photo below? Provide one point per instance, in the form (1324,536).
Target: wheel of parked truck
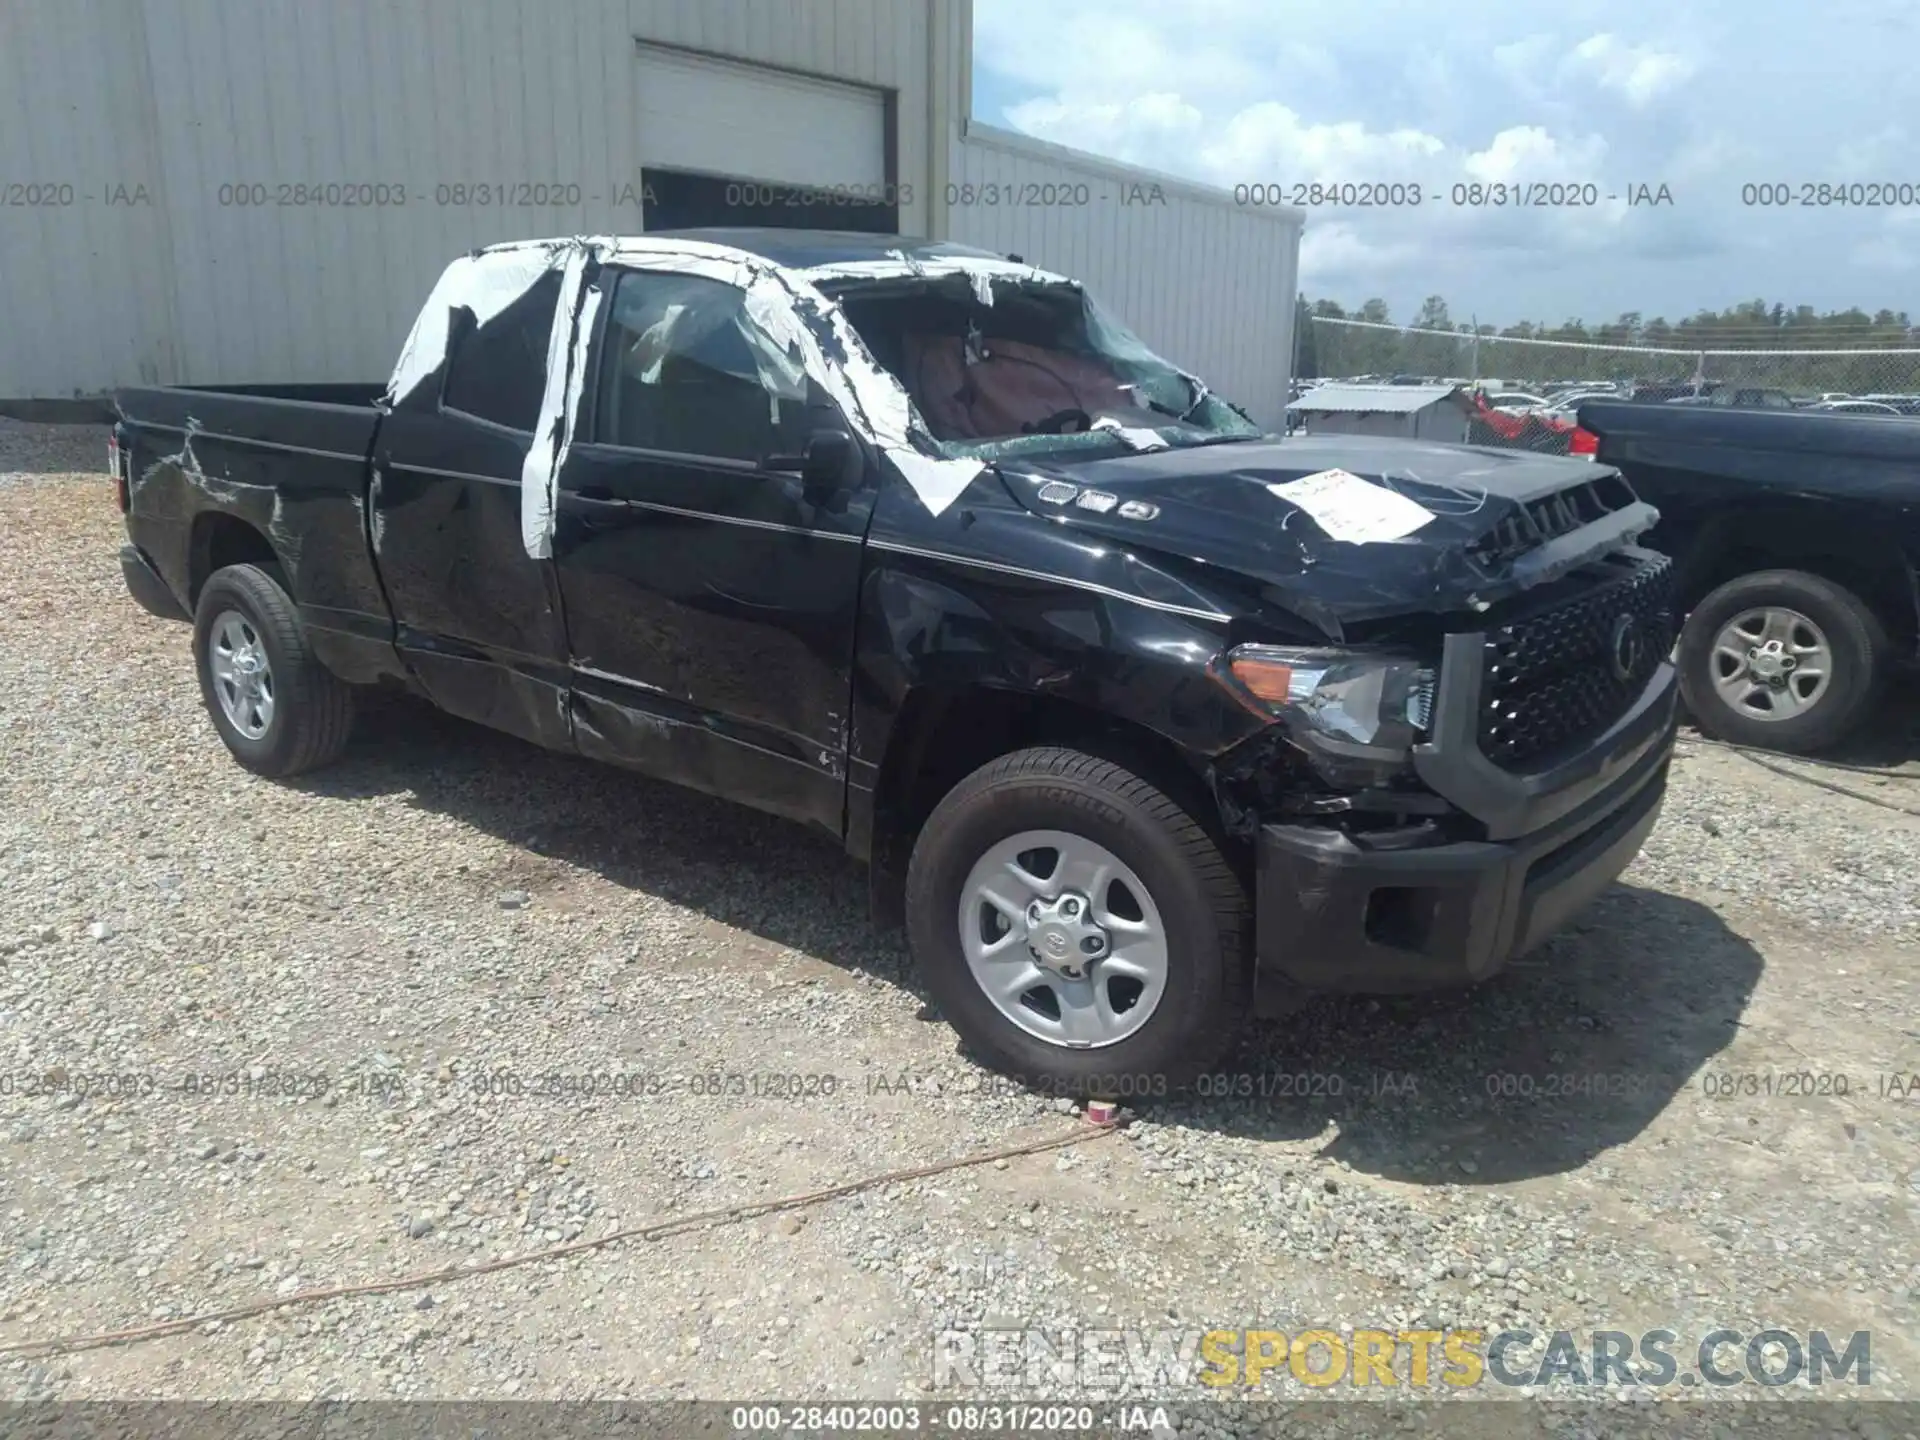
(1078,927)
(277,708)
(1781,660)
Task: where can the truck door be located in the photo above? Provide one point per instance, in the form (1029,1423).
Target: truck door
(710,595)
(477,621)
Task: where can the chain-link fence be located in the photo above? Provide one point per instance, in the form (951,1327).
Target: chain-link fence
(1524,392)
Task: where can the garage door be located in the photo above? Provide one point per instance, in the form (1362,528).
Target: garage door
(726,143)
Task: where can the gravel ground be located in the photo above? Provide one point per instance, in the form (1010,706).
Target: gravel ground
(447,916)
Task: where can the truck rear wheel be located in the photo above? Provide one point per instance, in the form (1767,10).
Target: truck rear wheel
(1781,660)
(279,710)
(1078,928)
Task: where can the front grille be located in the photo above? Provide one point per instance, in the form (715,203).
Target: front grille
(1553,678)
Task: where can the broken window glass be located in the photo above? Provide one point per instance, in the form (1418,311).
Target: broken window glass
(498,371)
(1018,366)
(685,369)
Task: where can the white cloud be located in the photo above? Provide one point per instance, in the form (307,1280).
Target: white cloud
(1154,129)
(1639,72)
(1620,93)
(1268,141)
(1883,155)
(1339,256)
(1527,152)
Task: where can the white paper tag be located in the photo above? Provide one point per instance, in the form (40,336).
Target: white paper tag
(1352,509)
(1137,437)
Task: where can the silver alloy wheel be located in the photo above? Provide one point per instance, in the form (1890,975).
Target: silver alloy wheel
(1063,938)
(1771,663)
(242,676)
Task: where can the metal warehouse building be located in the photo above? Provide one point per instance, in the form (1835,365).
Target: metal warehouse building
(232,191)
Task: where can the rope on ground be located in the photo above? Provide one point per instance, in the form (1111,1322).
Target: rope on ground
(748,1210)
(1883,771)
(1756,758)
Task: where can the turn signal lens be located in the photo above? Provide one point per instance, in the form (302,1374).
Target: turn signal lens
(1271,680)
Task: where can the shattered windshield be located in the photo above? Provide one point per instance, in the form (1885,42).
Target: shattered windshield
(1025,366)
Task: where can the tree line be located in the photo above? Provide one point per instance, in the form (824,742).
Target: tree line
(1434,343)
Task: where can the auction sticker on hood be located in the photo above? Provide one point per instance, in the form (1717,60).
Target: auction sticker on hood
(1353,509)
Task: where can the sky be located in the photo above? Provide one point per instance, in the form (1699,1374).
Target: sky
(1704,98)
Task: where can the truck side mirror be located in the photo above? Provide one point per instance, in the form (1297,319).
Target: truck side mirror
(831,461)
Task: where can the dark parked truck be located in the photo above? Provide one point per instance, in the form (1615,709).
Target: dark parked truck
(1144,719)
(1796,544)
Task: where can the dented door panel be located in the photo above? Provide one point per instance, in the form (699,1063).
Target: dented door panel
(477,621)
(710,609)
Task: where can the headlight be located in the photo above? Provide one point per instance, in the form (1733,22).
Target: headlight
(1377,702)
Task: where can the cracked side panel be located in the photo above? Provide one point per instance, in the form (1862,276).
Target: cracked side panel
(286,538)
(229,478)
(926,623)
(610,723)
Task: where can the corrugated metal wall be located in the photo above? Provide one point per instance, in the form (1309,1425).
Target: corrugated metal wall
(186,97)
(85,280)
(1206,283)
(145,145)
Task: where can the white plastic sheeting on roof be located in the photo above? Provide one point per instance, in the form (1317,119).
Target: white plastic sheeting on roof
(981,270)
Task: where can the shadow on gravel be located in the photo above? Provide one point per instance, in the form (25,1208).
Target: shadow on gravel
(771,877)
(1892,736)
(1574,1050)
(1889,739)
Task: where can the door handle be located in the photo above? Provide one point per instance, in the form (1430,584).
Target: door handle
(594,495)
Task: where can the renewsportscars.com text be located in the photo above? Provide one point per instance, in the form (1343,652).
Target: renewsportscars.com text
(1057,1361)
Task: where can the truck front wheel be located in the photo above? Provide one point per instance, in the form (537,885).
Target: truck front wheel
(1078,928)
(279,710)
(1781,660)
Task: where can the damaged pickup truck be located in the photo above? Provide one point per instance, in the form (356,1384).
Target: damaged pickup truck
(1145,720)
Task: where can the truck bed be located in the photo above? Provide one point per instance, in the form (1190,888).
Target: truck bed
(1855,457)
(211,472)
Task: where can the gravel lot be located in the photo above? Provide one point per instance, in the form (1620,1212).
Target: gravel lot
(448,915)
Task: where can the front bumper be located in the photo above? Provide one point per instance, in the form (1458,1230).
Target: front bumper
(146,586)
(1340,913)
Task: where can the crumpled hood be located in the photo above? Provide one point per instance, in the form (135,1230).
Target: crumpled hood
(1214,507)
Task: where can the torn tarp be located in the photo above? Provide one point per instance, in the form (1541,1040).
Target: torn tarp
(976,268)
(485,283)
(559,404)
(804,325)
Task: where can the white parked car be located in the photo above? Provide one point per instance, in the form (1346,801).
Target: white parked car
(1516,402)
(1853,407)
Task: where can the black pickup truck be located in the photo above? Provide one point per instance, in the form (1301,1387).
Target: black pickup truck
(1796,544)
(1145,720)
